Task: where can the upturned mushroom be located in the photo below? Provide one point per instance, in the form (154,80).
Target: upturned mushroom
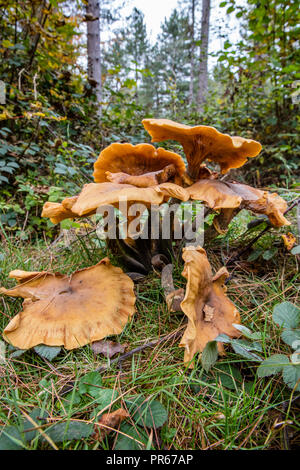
(73,310)
(204,143)
(141,165)
(209,310)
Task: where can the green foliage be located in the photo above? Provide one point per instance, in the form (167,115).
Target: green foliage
(287,316)
(90,383)
(209,355)
(47,352)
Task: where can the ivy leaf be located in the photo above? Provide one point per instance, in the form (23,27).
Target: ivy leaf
(273,365)
(286,315)
(47,352)
(209,355)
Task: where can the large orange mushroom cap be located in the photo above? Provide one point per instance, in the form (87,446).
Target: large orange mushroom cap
(204,142)
(70,310)
(141,165)
(222,195)
(206,305)
(94,195)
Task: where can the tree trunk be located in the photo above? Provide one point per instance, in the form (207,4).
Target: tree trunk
(191,91)
(93,48)
(202,90)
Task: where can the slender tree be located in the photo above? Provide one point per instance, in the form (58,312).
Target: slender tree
(203,73)
(93,48)
(191,90)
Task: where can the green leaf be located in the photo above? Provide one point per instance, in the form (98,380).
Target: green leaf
(11,439)
(229,376)
(223,338)
(269,254)
(69,431)
(254,255)
(17,353)
(91,384)
(248,333)
(73,398)
(291,376)
(286,314)
(273,365)
(137,441)
(35,414)
(151,414)
(47,352)
(209,355)
(244,348)
(105,397)
(291,337)
(296,250)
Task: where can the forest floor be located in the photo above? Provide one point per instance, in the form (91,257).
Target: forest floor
(228,407)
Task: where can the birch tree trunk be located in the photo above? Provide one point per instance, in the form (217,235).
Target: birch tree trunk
(93,48)
(191,90)
(203,74)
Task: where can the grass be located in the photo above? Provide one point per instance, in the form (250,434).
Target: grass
(227,408)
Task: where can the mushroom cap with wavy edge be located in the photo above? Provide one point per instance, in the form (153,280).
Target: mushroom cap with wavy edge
(206,305)
(94,195)
(222,195)
(135,160)
(204,142)
(70,311)
(56,212)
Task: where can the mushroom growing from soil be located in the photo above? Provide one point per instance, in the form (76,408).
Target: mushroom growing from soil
(204,143)
(72,311)
(209,310)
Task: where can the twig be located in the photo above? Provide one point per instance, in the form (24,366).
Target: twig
(151,344)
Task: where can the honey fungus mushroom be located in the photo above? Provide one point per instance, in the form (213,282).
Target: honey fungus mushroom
(232,197)
(140,165)
(73,310)
(209,310)
(94,195)
(204,142)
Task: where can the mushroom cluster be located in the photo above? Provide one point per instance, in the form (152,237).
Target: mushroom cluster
(98,301)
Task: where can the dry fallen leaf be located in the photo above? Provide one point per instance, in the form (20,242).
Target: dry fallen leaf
(107,348)
(109,422)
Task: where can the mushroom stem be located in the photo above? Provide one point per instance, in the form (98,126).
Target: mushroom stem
(173,296)
(220,223)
